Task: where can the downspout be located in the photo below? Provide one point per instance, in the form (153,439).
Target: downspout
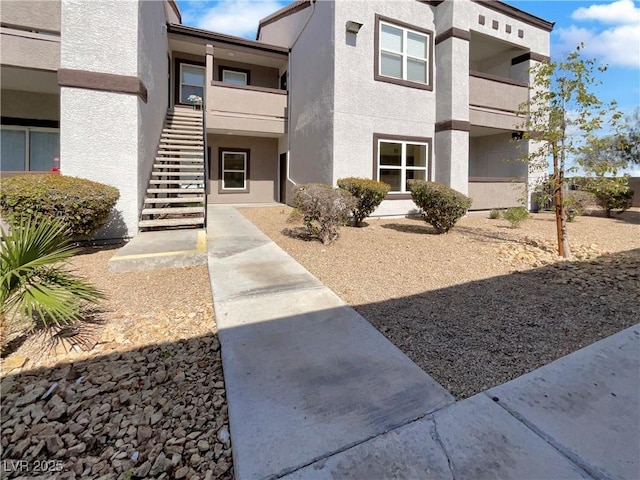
(289,83)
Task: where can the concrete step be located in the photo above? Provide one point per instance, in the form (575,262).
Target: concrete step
(188,123)
(171,222)
(181,136)
(172,210)
(197,167)
(185,113)
(181,141)
(182,131)
(197,183)
(194,175)
(197,199)
(170,162)
(184,148)
(176,191)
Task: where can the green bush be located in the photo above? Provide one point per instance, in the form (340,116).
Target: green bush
(368,193)
(323,209)
(441,206)
(82,205)
(576,203)
(515,215)
(494,214)
(612,193)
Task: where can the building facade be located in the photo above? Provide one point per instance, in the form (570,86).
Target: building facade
(375,89)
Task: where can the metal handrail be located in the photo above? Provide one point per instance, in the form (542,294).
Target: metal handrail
(205,153)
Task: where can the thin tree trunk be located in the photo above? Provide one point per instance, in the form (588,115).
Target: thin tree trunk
(561,221)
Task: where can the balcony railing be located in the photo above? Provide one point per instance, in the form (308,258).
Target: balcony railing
(496,192)
(496,93)
(246,108)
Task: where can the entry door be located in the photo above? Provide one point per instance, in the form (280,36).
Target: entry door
(283,177)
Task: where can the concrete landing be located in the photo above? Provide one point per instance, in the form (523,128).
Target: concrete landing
(315,392)
(163,249)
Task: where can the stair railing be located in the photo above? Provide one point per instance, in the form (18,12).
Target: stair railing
(205,154)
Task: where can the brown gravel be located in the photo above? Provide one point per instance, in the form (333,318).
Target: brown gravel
(484,303)
(140,396)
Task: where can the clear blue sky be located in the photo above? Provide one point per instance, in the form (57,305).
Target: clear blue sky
(609,29)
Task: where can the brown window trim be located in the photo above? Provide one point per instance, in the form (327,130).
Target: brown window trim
(221,68)
(176,71)
(402,138)
(233,150)
(376,61)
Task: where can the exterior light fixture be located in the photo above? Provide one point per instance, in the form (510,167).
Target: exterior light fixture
(353,27)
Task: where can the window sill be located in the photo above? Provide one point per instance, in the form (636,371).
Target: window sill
(404,83)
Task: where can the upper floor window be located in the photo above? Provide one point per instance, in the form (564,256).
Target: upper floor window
(403,54)
(192,79)
(235,76)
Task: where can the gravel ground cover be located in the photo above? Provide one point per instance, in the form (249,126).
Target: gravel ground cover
(484,303)
(137,393)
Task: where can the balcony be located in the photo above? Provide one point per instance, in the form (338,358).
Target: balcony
(496,192)
(246,109)
(493,100)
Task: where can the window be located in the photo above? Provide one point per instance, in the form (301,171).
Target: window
(234,170)
(192,79)
(29,149)
(402,54)
(234,76)
(399,159)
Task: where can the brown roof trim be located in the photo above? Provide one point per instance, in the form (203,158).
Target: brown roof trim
(536,57)
(516,13)
(226,39)
(285,11)
(174,7)
(107,82)
(455,33)
(460,125)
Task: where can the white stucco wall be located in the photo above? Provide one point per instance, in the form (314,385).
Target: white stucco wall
(99,141)
(311,99)
(152,70)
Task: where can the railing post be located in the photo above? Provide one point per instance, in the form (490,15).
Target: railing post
(207,83)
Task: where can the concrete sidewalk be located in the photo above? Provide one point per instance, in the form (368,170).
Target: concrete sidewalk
(314,391)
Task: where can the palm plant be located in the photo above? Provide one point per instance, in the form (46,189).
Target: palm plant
(35,286)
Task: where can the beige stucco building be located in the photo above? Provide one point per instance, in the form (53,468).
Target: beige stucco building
(376,89)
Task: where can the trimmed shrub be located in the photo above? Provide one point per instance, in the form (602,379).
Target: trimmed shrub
(515,216)
(82,205)
(369,194)
(441,206)
(576,203)
(323,209)
(612,193)
(494,214)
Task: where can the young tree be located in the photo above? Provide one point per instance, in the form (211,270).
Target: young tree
(561,112)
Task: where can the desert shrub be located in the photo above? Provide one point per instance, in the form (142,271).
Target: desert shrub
(441,206)
(81,204)
(35,287)
(494,214)
(611,193)
(515,215)
(576,203)
(369,194)
(323,209)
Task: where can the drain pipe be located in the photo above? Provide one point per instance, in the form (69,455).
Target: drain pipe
(289,82)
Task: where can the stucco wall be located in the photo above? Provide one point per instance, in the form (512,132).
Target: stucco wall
(495,156)
(311,99)
(38,106)
(28,50)
(364,106)
(36,14)
(263,169)
(284,31)
(152,68)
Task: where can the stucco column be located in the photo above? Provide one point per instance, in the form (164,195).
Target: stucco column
(452,109)
(209,70)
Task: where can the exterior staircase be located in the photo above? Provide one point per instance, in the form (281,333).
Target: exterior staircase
(176,193)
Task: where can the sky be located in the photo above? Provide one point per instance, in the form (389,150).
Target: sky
(610,31)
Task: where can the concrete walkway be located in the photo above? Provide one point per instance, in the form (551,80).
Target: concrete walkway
(314,391)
